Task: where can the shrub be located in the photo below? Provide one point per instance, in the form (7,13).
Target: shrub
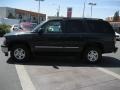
(4,29)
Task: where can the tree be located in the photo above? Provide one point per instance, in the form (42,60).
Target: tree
(116,16)
(11,16)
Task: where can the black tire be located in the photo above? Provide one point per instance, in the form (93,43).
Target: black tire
(26,53)
(89,57)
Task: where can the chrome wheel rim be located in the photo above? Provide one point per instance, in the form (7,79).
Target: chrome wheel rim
(93,56)
(19,53)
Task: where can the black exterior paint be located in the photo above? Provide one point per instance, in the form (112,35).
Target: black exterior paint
(64,41)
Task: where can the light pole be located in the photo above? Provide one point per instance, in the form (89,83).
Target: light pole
(39,10)
(58,11)
(92,4)
(84,8)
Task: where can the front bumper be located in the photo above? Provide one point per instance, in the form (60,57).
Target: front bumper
(4,49)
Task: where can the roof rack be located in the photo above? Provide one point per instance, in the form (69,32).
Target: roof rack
(84,18)
(77,18)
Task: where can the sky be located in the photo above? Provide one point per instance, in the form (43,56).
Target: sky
(103,8)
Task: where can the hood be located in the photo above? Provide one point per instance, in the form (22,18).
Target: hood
(17,33)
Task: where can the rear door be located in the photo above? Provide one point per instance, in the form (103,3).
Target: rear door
(73,34)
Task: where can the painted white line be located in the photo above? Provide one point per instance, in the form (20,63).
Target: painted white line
(25,80)
(109,72)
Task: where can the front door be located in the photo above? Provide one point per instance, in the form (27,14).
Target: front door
(51,38)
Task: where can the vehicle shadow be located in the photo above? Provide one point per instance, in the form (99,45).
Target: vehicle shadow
(68,61)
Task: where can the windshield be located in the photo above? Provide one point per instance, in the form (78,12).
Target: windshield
(38,26)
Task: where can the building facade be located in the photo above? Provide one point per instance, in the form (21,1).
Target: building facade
(116,26)
(22,15)
(109,19)
(54,17)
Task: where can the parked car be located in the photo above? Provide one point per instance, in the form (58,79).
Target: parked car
(24,26)
(117,36)
(89,37)
(28,26)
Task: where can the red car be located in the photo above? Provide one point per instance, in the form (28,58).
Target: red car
(24,26)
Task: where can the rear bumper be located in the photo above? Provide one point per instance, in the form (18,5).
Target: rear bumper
(110,49)
(4,49)
(115,49)
(118,38)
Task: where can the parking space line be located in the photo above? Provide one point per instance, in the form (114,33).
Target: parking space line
(109,72)
(25,80)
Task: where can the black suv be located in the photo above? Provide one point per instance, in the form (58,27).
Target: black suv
(90,37)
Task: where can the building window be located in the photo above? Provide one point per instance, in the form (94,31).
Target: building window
(42,18)
(20,16)
(34,18)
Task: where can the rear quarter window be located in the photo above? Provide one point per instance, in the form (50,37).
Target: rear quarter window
(99,27)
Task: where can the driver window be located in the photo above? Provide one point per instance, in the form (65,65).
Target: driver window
(53,27)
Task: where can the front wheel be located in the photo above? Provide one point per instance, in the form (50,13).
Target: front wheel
(20,53)
(92,54)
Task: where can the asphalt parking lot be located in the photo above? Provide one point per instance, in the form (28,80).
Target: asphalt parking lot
(60,72)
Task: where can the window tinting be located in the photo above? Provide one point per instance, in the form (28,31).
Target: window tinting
(53,27)
(99,27)
(74,26)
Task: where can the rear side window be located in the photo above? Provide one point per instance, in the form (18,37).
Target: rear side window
(99,27)
(108,27)
(74,26)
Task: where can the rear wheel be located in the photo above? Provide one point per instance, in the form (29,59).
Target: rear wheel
(92,54)
(20,53)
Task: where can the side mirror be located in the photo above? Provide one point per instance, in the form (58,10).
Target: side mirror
(41,30)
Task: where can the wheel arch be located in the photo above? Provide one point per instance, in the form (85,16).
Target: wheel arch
(12,44)
(94,44)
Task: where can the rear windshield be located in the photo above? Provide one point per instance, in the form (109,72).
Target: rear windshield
(99,27)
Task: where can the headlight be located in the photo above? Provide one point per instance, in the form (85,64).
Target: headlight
(4,40)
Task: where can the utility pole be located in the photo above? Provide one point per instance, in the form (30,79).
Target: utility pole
(39,10)
(84,8)
(91,4)
(58,11)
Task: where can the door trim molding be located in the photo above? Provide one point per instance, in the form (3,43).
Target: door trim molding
(53,47)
